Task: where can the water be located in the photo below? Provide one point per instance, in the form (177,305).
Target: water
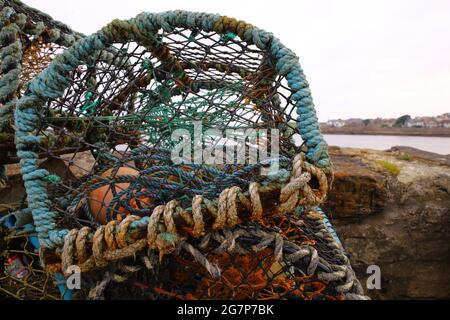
(439,145)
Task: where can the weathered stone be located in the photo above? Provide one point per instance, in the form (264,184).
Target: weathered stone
(80,164)
(421,154)
(409,239)
(357,189)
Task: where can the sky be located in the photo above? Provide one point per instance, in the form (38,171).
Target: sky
(362,59)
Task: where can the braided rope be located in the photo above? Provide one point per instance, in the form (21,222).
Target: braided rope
(38,17)
(114,234)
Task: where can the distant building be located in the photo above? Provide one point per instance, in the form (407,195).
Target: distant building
(429,122)
(441,121)
(336,123)
(445,124)
(354,122)
(415,123)
(386,122)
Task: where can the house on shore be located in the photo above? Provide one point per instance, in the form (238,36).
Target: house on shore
(417,122)
(445,124)
(336,123)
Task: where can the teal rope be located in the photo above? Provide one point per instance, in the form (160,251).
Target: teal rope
(329,226)
(38,15)
(52,82)
(11,57)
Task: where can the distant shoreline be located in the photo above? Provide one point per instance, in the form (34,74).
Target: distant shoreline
(423,132)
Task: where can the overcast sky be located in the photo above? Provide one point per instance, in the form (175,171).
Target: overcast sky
(367,59)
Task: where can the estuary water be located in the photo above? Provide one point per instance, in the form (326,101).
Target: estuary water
(439,145)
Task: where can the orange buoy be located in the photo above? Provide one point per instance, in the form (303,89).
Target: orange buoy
(100,198)
(175,178)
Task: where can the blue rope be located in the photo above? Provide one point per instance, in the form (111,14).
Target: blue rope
(329,226)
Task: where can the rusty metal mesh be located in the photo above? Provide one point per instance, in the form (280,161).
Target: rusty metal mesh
(36,57)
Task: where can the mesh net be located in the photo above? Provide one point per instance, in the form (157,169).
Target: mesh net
(36,57)
(120,111)
(35,16)
(21,276)
(250,267)
(124,131)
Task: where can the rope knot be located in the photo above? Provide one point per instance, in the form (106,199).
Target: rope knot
(166,243)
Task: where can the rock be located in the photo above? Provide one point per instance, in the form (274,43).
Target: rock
(421,154)
(80,164)
(357,190)
(13,194)
(408,236)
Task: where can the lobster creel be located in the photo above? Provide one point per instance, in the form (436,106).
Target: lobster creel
(193,164)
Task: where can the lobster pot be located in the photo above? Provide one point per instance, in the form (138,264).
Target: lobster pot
(217,99)
(41,37)
(188,137)
(29,40)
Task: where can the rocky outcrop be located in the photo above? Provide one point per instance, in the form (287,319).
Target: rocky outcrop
(353,177)
(396,220)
